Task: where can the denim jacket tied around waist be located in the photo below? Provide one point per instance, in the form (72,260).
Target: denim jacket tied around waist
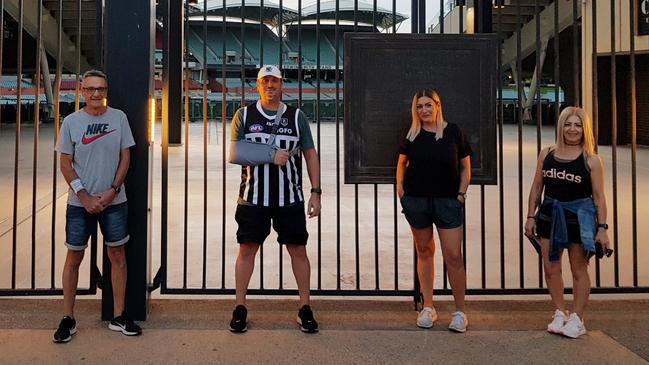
(585,211)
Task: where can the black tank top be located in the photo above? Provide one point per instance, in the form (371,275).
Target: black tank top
(566,180)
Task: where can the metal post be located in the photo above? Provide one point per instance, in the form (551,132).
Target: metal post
(129,65)
(172,68)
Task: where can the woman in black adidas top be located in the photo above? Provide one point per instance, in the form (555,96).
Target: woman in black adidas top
(572,215)
(433,174)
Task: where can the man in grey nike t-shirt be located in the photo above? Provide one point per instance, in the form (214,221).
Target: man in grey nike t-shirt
(94,145)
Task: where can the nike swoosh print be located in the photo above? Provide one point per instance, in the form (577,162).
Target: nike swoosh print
(86,140)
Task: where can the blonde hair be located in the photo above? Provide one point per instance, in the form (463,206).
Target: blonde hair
(587,138)
(415,126)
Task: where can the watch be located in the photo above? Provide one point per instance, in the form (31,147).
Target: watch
(117,189)
(602,225)
(316,190)
(462,194)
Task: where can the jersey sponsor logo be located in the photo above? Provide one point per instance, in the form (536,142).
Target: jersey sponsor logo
(562,175)
(256,128)
(285,130)
(95,131)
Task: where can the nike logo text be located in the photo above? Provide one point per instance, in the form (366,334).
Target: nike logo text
(95,128)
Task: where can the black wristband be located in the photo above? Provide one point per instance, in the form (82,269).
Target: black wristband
(316,190)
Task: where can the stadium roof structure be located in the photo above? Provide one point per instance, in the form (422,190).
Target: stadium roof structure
(385,18)
(252,10)
(362,11)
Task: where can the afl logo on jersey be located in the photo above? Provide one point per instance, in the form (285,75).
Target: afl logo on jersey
(256,128)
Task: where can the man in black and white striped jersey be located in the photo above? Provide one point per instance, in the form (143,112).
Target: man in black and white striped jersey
(272,192)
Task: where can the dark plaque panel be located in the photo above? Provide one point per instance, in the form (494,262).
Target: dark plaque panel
(384,71)
(642,12)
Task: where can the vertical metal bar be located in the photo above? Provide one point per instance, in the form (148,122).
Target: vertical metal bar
(37,101)
(595,112)
(19,92)
(299,53)
(557,101)
(616,261)
(537,18)
(2,37)
(501,179)
(224,109)
(337,115)
(376,197)
(164,158)
(483,241)
(205,132)
(376,237)
(318,142)
(634,186)
(441,17)
(519,104)
(261,36)
(185,71)
(57,116)
(461,10)
(394,193)
(281,253)
(77,91)
(441,30)
(243,53)
(356,217)
(575,52)
(261,63)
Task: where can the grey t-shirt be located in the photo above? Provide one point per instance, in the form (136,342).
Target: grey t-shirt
(95,143)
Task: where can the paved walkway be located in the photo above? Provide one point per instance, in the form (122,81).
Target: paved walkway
(353,332)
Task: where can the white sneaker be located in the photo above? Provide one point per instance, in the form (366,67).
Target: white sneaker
(426,317)
(459,322)
(574,327)
(558,321)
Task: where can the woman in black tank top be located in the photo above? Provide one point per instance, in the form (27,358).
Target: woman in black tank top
(570,177)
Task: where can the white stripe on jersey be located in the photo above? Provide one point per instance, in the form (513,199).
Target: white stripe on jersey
(297,125)
(266,184)
(255,187)
(246,189)
(280,183)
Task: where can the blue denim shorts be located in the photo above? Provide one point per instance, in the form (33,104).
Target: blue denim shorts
(80,225)
(424,211)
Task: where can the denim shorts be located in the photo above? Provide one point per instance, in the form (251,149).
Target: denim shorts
(80,225)
(424,211)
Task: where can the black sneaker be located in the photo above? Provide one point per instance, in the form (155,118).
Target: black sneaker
(306,321)
(239,322)
(125,325)
(67,328)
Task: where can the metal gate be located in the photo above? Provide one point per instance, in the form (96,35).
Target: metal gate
(207,54)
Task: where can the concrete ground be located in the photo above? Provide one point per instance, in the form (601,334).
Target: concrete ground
(352,332)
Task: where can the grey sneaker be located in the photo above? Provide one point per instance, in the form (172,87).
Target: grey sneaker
(574,327)
(426,317)
(459,322)
(558,321)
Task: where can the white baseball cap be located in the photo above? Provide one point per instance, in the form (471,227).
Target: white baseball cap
(269,70)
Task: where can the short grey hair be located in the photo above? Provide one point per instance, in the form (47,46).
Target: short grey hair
(95,73)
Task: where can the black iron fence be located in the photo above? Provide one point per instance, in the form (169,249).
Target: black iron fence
(360,245)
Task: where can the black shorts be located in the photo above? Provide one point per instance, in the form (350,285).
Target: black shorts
(544,224)
(254,224)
